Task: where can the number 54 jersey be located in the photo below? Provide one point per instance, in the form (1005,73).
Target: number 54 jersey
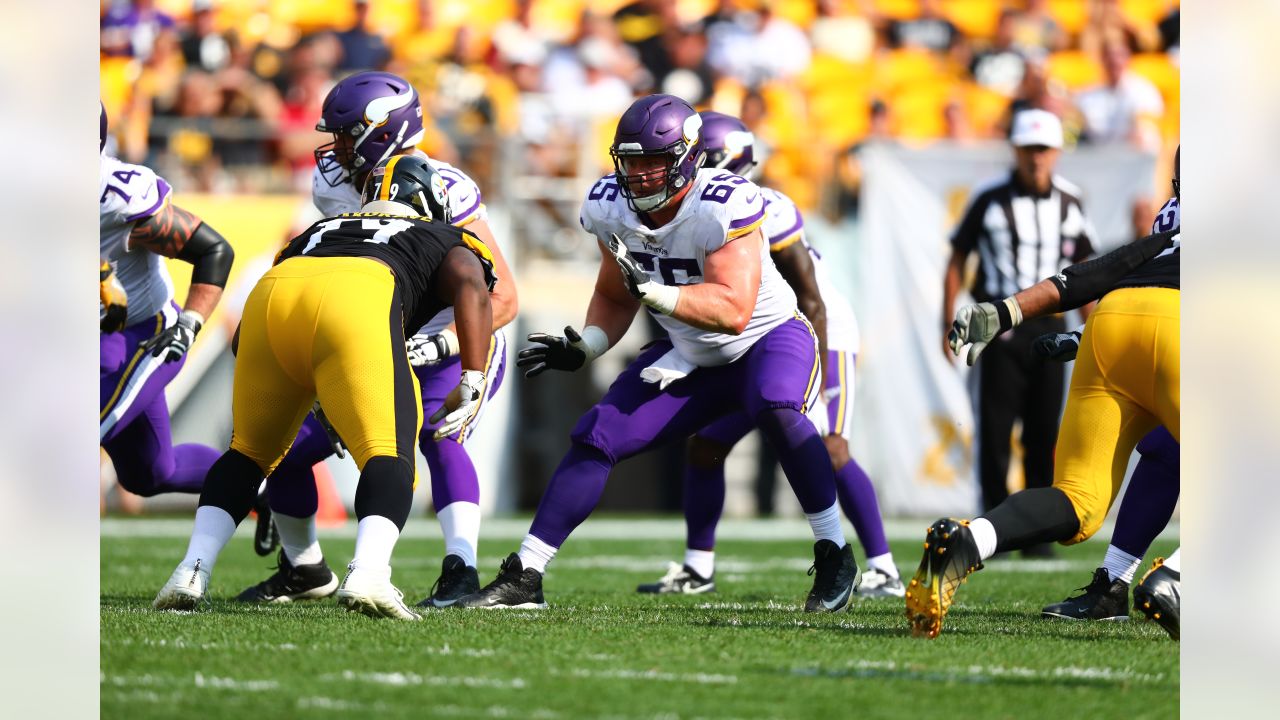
(719,208)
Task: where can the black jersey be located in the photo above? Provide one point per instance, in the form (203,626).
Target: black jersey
(412,247)
(1152,261)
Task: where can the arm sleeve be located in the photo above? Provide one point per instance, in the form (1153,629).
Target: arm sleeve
(210,254)
(1085,282)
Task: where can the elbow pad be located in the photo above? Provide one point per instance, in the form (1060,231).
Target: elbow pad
(211,255)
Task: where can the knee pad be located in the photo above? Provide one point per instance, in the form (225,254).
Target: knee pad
(386,489)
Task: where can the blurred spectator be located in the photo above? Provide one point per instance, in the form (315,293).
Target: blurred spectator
(1169,28)
(955,123)
(782,50)
(1124,108)
(203,46)
(130,28)
(641,25)
(691,76)
(517,38)
(1000,66)
(1039,91)
(931,30)
(362,49)
(1035,31)
(1108,24)
(849,36)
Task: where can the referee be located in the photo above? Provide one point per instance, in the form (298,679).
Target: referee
(1025,226)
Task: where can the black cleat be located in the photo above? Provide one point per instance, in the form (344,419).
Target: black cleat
(950,556)
(266,538)
(836,576)
(456,581)
(289,583)
(515,588)
(1103,599)
(1159,597)
(680,580)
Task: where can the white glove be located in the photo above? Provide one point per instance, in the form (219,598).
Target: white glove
(431,349)
(461,404)
(979,324)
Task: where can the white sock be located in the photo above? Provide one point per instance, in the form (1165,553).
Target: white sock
(1120,565)
(536,554)
(376,537)
(213,530)
(298,536)
(1174,562)
(460,523)
(984,535)
(702,562)
(883,563)
(826,525)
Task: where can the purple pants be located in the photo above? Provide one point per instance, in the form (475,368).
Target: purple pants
(1153,492)
(134,417)
(292,489)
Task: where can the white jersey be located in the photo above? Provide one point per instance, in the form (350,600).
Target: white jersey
(344,197)
(783,227)
(1168,218)
(718,208)
(127,194)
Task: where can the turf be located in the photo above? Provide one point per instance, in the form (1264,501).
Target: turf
(602,651)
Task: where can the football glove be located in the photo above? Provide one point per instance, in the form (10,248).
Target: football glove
(335,442)
(174,341)
(1057,346)
(461,404)
(977,325)
(431,349)
(642,287)
(113,302)
(567,353)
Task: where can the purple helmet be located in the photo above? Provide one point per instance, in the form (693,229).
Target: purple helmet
(657,125)
(102,126)
(728,143)
(372,115)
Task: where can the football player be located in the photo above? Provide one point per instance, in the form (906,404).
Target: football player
(145,335)
(328,322)
(1125,385)
(683,242)
(374,116)
(730,146)
(1148,502)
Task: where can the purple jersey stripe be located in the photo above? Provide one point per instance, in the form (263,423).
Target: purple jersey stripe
(743,222)
(789,231)
(163,193)
(468,212)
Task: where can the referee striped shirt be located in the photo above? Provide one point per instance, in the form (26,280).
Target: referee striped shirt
(1021,237)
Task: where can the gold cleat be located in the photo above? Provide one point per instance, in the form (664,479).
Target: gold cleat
(950,556)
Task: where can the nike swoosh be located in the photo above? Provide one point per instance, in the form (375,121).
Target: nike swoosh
(838,601)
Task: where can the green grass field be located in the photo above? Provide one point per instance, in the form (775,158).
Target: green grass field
(602,651)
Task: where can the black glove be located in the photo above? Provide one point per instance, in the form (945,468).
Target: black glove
(1057,346)
(553,352)
(175,341)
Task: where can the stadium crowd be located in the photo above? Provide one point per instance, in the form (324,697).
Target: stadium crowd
(222,95)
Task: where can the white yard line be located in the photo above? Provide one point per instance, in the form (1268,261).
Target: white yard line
(737,530)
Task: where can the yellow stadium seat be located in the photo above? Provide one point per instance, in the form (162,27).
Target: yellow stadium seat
(897,69)
(1075,69)
(898,9)
(116,78)
(1147,11)
(828,72)
(974,18)
(800,12)
(916,112)
(1157,68)
(840,117)
(1072,15)
(391,18)
(312,15)
(984,107)
(558,18)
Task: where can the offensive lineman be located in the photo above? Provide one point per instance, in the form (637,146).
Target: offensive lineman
(328,322)
(686,244)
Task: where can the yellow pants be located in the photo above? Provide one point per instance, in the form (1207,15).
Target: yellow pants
(1125,384)
(330,328)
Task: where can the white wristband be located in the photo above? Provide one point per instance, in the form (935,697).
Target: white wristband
(1015,310)
(452,346)
(662,298)
(594,342)
(193,315)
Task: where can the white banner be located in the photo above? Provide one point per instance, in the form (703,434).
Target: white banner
(914,428)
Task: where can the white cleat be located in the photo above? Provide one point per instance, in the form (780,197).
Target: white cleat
(877,584)
(371,592)
(185,589)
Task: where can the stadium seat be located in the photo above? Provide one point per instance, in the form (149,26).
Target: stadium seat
(1159,70)
(898,9)
(917,111)
(1075,69)
(899,69)
(984,107)
(1072,15)
(313,15)
(841,117)
(1147,12)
